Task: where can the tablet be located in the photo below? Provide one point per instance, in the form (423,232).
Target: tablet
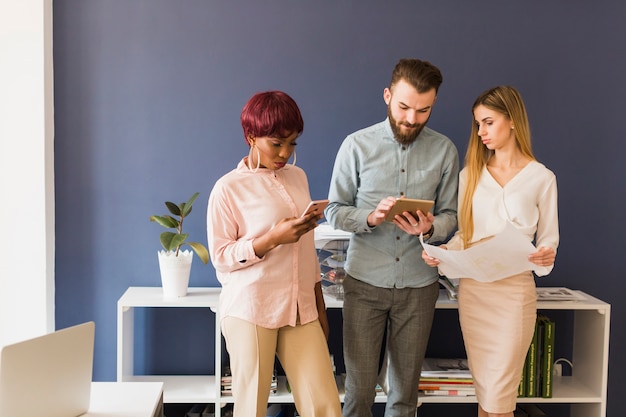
(411,205)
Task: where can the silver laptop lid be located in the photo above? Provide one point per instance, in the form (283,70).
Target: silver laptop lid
(48,376)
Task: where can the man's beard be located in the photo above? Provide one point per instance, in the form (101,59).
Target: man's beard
(404,138)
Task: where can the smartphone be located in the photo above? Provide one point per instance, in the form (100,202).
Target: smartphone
(316,206)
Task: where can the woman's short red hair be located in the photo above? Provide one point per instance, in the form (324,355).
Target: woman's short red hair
(272,114)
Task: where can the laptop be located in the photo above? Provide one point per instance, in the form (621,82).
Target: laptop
(48,376)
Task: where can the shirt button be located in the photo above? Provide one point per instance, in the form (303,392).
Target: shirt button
(397,259)
(402,170)
(397,237)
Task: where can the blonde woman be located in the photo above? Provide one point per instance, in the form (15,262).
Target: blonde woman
(502,182)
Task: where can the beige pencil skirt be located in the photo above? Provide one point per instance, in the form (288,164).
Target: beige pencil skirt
(498,322)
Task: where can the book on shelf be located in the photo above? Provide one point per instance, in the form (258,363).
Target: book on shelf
(537,378)
(531,372)
(446,380)
(466,392)
(444,385)
(226,382)
(547,357)
(521,389)
(538,358)
(274,384)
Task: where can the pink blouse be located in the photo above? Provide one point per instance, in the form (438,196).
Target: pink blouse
(273,290)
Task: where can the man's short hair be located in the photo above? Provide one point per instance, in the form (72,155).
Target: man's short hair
(422,75)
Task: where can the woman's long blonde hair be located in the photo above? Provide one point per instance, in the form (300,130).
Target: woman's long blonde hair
(507,101)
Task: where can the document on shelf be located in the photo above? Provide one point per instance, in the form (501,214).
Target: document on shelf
(498,257)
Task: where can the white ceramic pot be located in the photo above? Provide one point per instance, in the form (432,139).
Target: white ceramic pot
(175,272)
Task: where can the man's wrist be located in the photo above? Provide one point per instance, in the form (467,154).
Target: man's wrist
(429,234)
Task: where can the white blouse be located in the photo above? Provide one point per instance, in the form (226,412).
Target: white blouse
(528,201)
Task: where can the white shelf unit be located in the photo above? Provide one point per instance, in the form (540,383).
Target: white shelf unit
(176,389)
(585,390)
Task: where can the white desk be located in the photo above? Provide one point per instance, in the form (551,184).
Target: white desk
(126,399)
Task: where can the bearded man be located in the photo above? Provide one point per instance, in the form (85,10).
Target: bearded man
(389,290)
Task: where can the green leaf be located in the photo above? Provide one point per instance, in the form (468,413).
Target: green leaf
(171,241)
(166,240)
(201,251)
(186,208)
(173,208)
(179,239)
(165,221)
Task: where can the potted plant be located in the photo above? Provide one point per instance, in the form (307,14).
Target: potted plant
(174,263)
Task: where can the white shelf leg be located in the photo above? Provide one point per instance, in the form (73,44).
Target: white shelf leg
(125,343)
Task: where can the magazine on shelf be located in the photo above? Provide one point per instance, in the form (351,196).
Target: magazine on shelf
(445,368)
(451,286)
(558,294)
(448,380)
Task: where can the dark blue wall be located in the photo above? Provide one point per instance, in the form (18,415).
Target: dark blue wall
(147,101)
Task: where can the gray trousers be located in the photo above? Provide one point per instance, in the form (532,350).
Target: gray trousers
(407,315)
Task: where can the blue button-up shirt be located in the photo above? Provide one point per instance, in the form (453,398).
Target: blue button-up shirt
(371,165)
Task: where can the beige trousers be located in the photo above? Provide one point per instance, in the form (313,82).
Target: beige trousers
(303,354)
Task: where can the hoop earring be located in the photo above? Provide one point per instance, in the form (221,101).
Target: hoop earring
(293,164)
(258,159)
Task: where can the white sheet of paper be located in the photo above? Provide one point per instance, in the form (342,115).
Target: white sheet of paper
(505,254)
